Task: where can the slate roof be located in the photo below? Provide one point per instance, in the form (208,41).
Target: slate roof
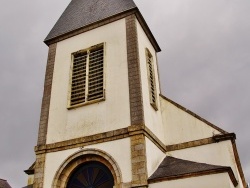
(173,168)
(80,13)
(4,184)
(31,169)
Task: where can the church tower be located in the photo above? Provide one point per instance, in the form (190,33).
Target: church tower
(104,122)
(101,87)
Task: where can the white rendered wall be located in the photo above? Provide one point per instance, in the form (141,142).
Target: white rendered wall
(208,181)
(152,117)
(182,127)
(216,154)
(154,156)
(52,163)
(113,113)
(119,150)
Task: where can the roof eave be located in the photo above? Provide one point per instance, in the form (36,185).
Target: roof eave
(31,169)
(170,167)
(29,172)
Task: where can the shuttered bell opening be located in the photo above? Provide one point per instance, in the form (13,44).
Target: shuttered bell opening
(87,83)
(151,79)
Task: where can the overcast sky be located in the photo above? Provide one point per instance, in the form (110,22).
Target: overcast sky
(204,66)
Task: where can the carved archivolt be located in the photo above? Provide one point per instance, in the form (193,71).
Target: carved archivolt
(84,156)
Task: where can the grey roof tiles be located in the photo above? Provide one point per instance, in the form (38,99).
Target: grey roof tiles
(80,13)
(4,184)
(173,167)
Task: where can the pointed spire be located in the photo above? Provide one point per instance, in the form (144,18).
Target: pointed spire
(81,13)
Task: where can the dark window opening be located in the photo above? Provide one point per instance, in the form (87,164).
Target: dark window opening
(91,175)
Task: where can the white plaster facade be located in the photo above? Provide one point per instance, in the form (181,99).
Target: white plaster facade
(152,117)
(56,159)
(154,156)
(179,126)
(100,117)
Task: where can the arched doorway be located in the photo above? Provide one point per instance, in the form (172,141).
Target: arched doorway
(91,175)
(84,168)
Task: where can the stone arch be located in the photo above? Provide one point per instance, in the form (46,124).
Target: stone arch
(86,155)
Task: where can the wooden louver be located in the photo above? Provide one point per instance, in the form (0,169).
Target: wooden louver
(87,76)
(151,79)
(95,84)
(79,78)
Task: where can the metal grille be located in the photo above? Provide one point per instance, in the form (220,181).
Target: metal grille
(95,84)
(87,76)
(151,78)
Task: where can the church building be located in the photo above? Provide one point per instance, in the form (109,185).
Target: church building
(104,121)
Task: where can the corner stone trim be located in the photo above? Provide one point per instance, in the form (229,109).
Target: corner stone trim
(134,74)
(46,96)
(138,145)
(39,171)
(139,161)
(43,126)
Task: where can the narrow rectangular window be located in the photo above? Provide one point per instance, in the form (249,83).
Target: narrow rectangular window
(87,83)
(151,79)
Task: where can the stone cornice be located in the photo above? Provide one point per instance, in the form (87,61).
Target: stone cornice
(205,141)
(100,138)
(125,133)
(83,141)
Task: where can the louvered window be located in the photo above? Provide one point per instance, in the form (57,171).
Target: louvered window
(151,79)
(87,83)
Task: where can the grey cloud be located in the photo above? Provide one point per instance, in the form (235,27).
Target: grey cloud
(205,60)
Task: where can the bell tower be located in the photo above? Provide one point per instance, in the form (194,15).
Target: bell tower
(100,95)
